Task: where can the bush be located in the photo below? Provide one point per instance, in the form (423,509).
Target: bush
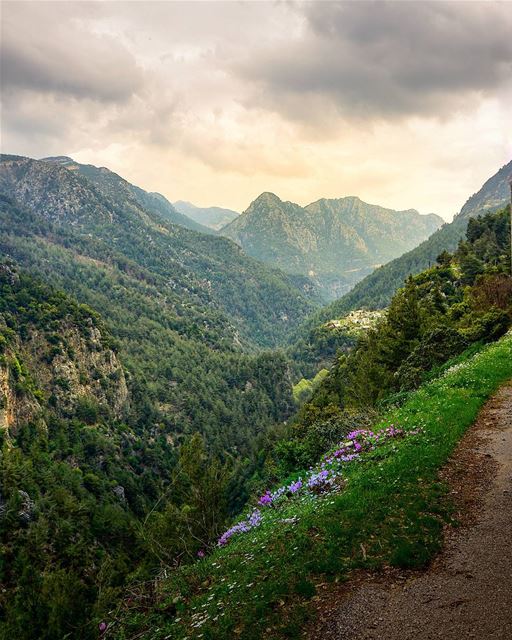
(87,410)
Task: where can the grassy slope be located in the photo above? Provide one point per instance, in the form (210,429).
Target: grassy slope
(393,506)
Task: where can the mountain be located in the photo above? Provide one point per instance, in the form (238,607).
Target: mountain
(334,242)
(354,480)
(213,272)
(491,197)
(134,384)
(376,290)
(213,217)
(112,184)
(191,312)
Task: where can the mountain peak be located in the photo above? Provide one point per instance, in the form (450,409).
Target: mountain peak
(267,198)
(335,241)
(58,159)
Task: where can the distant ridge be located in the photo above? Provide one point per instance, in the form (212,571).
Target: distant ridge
(106,179)
(98,219)
(212,217)
(336,242)
(376,290)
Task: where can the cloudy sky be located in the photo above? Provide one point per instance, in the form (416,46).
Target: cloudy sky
(404,104)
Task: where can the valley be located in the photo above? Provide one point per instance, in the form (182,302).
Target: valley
(255,320)
(155,378)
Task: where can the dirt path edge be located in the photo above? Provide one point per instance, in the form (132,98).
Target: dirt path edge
(466,592)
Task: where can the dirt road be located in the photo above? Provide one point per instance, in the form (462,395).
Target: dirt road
(467,591)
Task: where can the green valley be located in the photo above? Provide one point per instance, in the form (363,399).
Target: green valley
(147,400)
(289,416)
(355,482)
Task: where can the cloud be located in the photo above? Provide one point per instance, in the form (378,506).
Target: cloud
(385,59)
(402,104)
(57,55)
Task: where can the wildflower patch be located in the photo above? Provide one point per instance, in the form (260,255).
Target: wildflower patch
(326,478)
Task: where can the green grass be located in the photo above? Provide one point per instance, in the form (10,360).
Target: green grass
(391,512)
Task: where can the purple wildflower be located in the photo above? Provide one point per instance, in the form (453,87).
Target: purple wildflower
(318,479)
(295,486)
(265,499)
(253,520)
(277,494)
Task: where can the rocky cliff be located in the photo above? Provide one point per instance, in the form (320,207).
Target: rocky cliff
(56,357)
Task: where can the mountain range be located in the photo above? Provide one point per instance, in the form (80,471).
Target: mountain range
(376,290)
(144,396)
(335,242)
(212,217)
(189,311)
(121,335)
(112,184)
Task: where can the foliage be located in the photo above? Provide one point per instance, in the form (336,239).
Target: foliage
(188,312)
(390,509)
(304,389)
(439,313)
(376,290)
(188,315)
(84,496)
(313,431)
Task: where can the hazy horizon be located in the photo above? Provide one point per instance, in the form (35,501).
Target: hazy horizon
(401,104)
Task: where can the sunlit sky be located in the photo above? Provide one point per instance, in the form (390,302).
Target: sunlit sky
(407,105)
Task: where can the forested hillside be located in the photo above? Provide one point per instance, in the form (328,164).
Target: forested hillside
(127,437)
(335,242)
(73,479)
(202,277)
(112,185)
(182,305)
(91,497)
(353,482)
(464,298)
(95,487)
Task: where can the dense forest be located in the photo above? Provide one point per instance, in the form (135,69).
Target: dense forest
(92,498)
(147,381)
(464,300)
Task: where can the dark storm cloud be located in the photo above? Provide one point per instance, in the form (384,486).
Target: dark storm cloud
(57,56)
(380,59)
